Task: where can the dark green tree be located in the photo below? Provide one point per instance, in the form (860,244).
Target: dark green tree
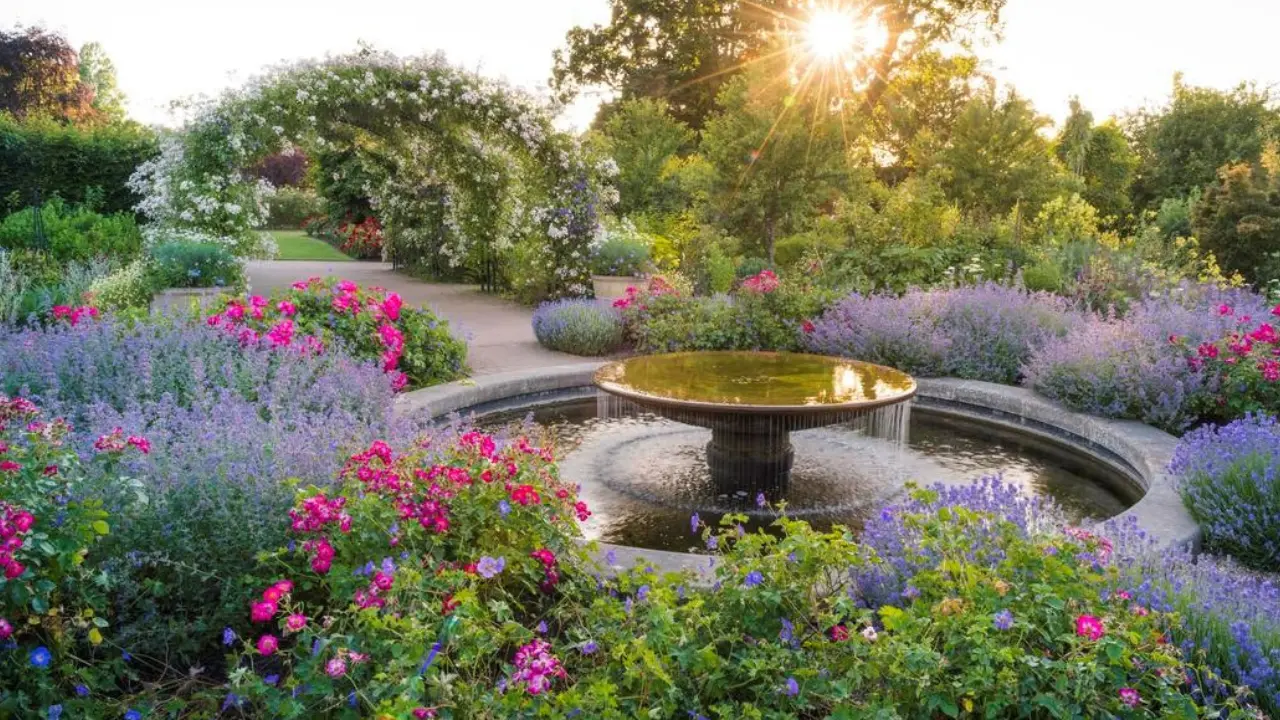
(1100,157)
(777,156)
(997,157)
(1183,144)
(1238,218)
(685,50)
(642,137)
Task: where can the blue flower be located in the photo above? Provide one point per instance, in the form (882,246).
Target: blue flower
(351,698)
(431,657)
(228,636)
(55,712)
(133,715)
(787,633)
(504,508)
(694,522)
(792,687)
(761,501)
(40,657)
(489,567)
(754,578)
(124,655)
(271,679)
(643,593)
(82,690)
(590,647)
(1003,620)
(542,627)
(611,558)
(712,542)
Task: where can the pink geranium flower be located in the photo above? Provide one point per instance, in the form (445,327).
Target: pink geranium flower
(1088,626)
(267,644)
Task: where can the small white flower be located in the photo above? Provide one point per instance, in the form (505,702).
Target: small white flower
(870,634)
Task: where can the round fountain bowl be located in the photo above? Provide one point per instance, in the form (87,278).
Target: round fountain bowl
(753,401)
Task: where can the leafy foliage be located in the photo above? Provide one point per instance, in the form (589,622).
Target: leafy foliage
(1238,218)
(40,77)
(195,265)
(73,233)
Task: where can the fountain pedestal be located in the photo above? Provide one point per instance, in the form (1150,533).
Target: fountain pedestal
(750,462)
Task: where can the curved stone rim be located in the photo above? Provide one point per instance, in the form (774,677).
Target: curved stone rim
(1144,451)
(661,402)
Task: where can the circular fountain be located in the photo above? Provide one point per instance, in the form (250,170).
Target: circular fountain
(753,401)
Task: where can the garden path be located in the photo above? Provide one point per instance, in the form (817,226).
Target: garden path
(498,332)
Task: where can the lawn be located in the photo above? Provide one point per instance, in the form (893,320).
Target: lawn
(297,245)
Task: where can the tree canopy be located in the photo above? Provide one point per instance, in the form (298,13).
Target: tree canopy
(40,77)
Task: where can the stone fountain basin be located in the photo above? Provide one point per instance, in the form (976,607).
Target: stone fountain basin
(1140,452)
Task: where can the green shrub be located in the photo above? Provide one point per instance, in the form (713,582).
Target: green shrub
(290,207)
(73,233)
(31,284)
(621,254)
(580,327)
(752,266)
(129,287)
(719,270)
(1043,276)
(195,265)
(791,250)
(88,165)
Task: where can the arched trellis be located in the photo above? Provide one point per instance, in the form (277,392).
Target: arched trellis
(465,167)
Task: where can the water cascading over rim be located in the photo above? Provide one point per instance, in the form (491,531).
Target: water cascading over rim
(753,401)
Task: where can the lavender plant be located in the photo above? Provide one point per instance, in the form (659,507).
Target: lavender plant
(1136,366)
(985,332)
(580,327)
(1228,479)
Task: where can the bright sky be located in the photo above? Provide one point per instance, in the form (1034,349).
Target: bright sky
(1114,54)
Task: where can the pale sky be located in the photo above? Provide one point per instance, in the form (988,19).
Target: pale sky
(1115,54)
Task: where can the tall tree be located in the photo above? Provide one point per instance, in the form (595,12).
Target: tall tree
(685,50)
(99,73)
(1100,157)
(1183,144)
(778,156)
(40,76)
(921,105)
(643,138)
(1238,217)
(997,157)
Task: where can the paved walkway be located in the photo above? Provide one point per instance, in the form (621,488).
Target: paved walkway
(498,332)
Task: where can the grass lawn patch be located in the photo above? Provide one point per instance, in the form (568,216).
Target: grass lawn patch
(297,245)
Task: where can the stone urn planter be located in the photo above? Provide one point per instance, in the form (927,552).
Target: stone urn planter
(612,287)
(181,298)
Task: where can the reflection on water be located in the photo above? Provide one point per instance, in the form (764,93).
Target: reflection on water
(643,475)
(755,378)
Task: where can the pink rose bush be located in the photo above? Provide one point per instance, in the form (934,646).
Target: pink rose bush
(51,613)
(412,345)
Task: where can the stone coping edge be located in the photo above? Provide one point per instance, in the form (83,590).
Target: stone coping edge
(1144,451)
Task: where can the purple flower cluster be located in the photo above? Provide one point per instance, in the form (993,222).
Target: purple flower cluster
(1228,615)
(1136,366)
(981,333)
(228,425)
(1228,479)
(896,544)
(581,327)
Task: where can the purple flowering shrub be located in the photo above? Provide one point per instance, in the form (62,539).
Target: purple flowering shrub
(1228,479)
(1227,617)
(979,333)
(1137,366)
(579,327)
(229,424)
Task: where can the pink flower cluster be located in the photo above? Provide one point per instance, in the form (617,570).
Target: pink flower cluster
(74,315)
(15,523)
(765,282)
(550,573)
(1101,546)
(16,409)
(536,667)
(374,595)
(115,441)
(1243,345)
(1090,627)
(634,297)
(281,333)
(316,514)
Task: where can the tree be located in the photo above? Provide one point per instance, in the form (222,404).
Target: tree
(1238,217)
(685,51)
(643,138)
(777,159)
(40,76)
(99,73)
(997,157)
(1183,145)
(1100,157)
(920,107)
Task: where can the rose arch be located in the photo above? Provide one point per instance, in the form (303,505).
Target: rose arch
(464,172)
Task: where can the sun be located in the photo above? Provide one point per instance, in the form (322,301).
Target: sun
(832,34)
